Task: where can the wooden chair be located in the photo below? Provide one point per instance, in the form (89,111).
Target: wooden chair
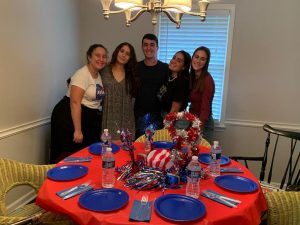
(290,179)
(12,174)
(283,208)
(163,135)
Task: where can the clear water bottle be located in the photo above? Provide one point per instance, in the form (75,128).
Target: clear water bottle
(215,154)
(193,178)
(106,140)
(108,169)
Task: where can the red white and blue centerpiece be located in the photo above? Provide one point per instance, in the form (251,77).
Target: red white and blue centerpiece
(184,128)
(163,167)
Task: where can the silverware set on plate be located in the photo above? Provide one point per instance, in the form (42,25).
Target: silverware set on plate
(73,191)
(75,159)
(220,198)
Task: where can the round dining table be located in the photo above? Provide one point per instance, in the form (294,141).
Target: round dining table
(248,212)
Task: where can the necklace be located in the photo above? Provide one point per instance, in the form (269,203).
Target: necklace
(172,78)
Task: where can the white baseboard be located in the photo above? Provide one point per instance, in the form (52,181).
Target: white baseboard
(23,127)
(254,123)
(25,199)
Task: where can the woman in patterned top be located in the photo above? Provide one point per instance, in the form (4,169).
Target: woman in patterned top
(120,85)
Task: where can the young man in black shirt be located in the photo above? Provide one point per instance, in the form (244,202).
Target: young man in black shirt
(153,74)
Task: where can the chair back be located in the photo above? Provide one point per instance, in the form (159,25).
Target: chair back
(291,171)
(286,142)
(14,173)
(163,135)
(283,208)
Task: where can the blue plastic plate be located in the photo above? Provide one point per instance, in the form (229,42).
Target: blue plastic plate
(179,208)
(96,148)
(104,200)
(236,183)
(67,172)
(205,158)
(163,144)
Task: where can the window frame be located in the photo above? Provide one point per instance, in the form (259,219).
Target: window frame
(231,11)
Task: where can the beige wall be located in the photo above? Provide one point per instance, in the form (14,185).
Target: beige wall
(39,50)
(264,76)
(43,42)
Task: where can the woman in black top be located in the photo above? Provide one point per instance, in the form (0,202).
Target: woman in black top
(174,95)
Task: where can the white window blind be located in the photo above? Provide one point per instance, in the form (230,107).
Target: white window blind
(213,33)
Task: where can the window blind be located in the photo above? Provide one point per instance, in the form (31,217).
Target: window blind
(213,33)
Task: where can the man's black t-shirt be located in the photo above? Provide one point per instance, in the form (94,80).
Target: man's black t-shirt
(152,78)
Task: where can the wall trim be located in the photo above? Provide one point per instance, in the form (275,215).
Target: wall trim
(25,199)
(254,123)
(24,127)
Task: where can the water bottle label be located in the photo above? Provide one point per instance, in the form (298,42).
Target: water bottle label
(108,164)
(193,174)
(216,156)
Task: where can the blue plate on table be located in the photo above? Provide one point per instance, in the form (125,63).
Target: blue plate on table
(236,183)
(67,172)
(163,144)
(179,208)
(104,200)
(96,148)
(205,158)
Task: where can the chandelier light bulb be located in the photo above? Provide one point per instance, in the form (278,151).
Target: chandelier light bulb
(184,5)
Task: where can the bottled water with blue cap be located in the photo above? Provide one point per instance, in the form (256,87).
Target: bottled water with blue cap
(193,178)
(108,169)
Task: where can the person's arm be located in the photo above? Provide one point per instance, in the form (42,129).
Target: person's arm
(76,95)
(207,97)
(175,106)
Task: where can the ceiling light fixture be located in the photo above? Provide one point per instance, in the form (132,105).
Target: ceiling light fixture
(174,9)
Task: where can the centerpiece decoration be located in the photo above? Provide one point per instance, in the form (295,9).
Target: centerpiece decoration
(135,173)
(162,168)
(183,127)
(149,132)
(127,145)
(184,130)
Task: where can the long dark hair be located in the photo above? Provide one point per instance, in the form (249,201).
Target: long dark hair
(198,84)
(186,63)
(131,79)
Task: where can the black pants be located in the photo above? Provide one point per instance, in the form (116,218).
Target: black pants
(62,129)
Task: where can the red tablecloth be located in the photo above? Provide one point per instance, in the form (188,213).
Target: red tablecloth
(247,213)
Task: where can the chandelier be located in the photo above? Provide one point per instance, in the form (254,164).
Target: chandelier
(174,9)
